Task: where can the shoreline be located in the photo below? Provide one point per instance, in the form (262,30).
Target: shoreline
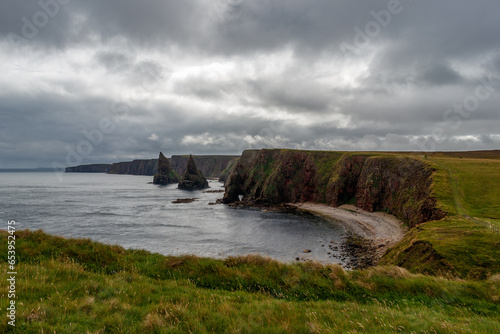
(380,229)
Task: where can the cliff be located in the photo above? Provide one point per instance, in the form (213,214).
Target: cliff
(165,175)
(398,185)
(210,165)
(95,168)
(227,171)
(193,178)
(136,167)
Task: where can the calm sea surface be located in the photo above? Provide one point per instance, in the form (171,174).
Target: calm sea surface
(126,210)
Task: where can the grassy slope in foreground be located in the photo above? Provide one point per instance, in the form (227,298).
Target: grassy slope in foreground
(465,184)
(79,286)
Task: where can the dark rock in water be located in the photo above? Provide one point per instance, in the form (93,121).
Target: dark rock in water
(184,200)
(166,174)
(193,178)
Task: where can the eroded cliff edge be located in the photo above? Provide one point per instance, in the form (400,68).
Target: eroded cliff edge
(398,185)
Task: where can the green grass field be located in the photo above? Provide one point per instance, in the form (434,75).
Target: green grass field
(79,286)
(476,184)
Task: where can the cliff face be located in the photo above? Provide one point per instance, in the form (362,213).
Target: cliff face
(401,186)
(166,174)
(136,167)
(227,171)
(95,168)
(210,165)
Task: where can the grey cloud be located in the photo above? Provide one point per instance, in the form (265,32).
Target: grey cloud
(440,74)
(294,96)
(208,77)
(114,61)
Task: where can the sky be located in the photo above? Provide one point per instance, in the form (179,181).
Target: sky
(101,81)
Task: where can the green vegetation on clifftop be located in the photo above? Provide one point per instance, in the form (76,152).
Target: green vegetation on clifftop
(454,246)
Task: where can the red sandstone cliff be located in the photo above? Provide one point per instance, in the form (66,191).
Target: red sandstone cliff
(401,186)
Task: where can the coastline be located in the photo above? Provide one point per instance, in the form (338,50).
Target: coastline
(382,230)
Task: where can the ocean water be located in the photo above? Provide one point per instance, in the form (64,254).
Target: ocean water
(128,211)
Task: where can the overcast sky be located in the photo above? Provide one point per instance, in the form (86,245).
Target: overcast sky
(112,80)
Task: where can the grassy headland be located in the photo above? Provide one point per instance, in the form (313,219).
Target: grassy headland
(466,244)
(419,189)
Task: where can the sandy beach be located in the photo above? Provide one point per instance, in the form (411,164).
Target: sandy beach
(383,229)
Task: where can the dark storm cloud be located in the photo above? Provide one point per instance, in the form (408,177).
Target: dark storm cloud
(221,76)
(114,61)
(440,74)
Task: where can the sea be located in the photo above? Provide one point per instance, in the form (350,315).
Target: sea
(130,211)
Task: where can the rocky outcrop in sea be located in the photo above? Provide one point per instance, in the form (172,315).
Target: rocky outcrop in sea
(193,179)
(166,175)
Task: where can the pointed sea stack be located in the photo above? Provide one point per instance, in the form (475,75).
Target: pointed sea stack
(193,178)
(166,174)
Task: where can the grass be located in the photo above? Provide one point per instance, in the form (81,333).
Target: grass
(477,184)
(495,222)
(79,286)
(472,189)
(454,246)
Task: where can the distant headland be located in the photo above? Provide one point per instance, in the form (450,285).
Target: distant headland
(212,166)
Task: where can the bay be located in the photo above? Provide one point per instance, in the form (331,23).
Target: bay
(129,211)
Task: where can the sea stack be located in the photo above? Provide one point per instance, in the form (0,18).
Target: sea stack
(165,175)
(193,178)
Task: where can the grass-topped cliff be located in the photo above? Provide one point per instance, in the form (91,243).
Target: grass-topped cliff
(374,182)
(467,243)
(79,286)
(419,189)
